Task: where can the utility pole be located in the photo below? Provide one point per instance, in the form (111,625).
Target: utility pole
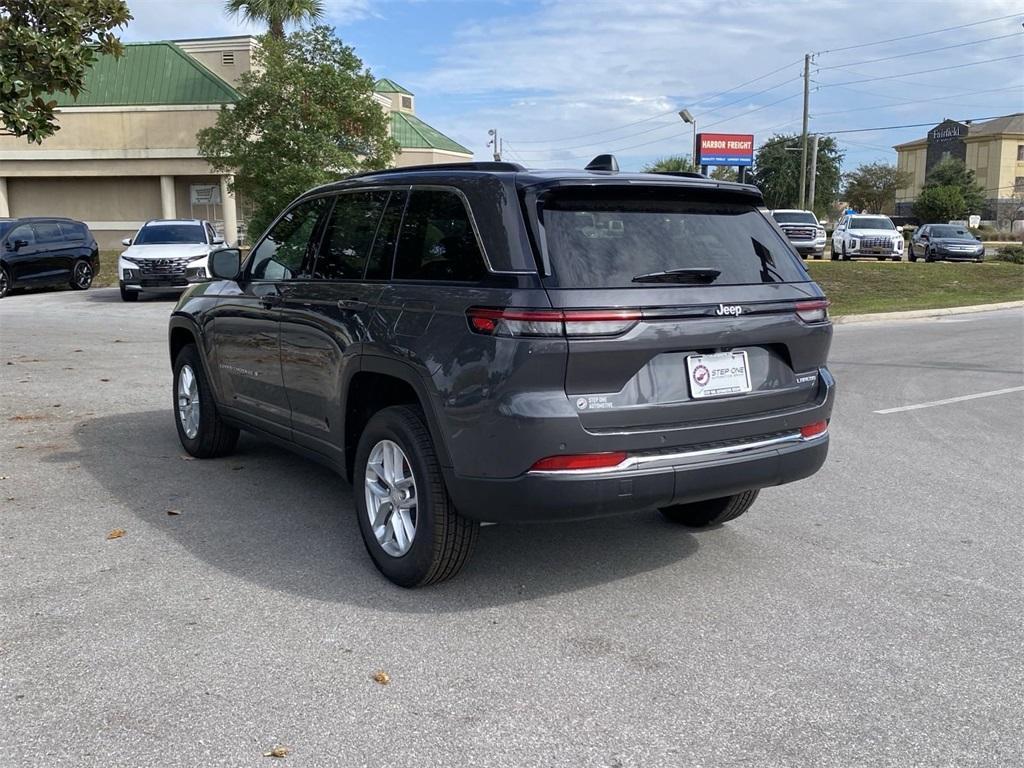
(814,171)
(803,139)
(495,142)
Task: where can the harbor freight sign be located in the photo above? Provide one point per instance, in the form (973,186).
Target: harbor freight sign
(725,149)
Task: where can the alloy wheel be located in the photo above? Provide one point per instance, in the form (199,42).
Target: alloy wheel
(83,275)
(391,501)
(188,401)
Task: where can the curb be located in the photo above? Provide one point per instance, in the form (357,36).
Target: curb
(915,314)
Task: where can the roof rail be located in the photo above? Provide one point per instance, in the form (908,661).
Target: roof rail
(494,167)
(684,174)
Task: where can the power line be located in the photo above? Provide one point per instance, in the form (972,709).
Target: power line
(908,125)
(923,71)
(750,111)
(918,53)
(915,101)
(918,34)
(596,133)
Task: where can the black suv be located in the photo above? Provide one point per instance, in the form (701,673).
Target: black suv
(46,251)
(479,342)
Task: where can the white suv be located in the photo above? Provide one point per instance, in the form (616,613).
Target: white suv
(864,235)
(164,255)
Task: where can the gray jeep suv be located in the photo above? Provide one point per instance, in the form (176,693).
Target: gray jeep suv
(479,342)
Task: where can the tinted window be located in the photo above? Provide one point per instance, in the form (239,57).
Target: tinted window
(48,232)
(164,234)
(870,222)
(349,236)
(383,253)
(604,239)
(950,232)
(437,241)
(72,230)
(24,232)
(287,252)
(794,217)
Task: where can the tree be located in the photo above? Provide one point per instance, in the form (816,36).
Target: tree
(724,173)
(46,47)
(305,116)
(670,164)
(872,187)
(939,204)
(952,172)
(276,13)
(777,172)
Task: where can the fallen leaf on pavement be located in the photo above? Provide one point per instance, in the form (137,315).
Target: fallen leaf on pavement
(104,379)
(117,533)
(173,511)
(381,677)
(237,468)
(276,752)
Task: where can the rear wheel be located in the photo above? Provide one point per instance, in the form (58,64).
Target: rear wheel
(81,275)
(200,429)
(410,527)
(127,295)
(703,514)
(5,282)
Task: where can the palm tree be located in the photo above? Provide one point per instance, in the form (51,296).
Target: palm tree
(276,13)
(670,164)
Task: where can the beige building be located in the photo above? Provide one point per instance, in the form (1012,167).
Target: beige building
(126,149)
(994,150)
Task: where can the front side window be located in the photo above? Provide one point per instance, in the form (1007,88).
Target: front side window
(437,241)
(48,232)
(633,238)
(170,234)
(24,234)
(349,235)
(288,252)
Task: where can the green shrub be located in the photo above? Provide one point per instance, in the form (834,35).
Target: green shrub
(1011,253)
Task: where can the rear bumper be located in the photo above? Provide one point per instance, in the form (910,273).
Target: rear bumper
(649,480)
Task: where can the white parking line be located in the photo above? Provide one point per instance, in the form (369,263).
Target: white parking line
(949,400)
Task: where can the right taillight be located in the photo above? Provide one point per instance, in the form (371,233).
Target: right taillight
(813,311)
(551,322)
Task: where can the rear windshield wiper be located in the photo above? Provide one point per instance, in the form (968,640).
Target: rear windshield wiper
(684,275)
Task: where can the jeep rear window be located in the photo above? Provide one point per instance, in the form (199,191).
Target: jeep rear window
(597,240)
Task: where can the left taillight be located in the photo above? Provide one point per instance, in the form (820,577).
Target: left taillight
(813,311)
(551,322)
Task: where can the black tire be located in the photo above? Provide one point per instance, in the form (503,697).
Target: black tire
(81,275)
(832,252)
(5,282)
(127,295)
(819,256)
(846,257)
(704,514)
(213,438)
(928,257)
(911,255)
(443,539)
(880,258)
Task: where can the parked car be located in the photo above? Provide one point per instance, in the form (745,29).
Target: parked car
(41,251)
(803,230)
(164,255)
(478,342)
(864,235)
(947,242)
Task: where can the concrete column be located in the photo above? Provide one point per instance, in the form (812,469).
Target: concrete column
(227,202)
(167,207)
(5,205)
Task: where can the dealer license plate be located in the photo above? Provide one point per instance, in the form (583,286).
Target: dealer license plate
(724,373)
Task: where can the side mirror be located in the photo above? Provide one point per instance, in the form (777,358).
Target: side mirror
(899,228)
(126,241)
(16,245)
(218,240)
(225,264)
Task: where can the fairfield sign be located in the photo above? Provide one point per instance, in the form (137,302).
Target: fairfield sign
(725,149)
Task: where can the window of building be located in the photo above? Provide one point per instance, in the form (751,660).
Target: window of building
(349,235)
(227,58)
(437,241)
(1018,184)
(288,252)
(407,102)
(1020,153)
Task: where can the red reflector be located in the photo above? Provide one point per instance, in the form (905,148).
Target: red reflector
(579,461)
(804,306)
(815,429)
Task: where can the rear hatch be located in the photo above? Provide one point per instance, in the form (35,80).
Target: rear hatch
(683,305)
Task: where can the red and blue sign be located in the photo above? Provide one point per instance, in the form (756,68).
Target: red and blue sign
(725,149)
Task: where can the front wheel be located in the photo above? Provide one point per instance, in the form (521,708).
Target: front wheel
(704,514)
(410,527)
(201,430)
(81,275)
(127,295)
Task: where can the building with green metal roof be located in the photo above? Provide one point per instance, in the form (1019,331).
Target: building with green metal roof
(127,152)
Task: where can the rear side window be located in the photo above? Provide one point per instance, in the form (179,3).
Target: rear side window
(48,232)
(349,235)
(437,241)
(72,232)
(382,256)
(616,239)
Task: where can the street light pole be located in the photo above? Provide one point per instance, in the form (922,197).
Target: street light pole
(688,118)
(814,171)
(803,135)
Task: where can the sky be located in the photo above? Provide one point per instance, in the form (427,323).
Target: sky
(564,80)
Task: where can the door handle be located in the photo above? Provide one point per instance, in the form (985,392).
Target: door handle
(353,305)
(270,301)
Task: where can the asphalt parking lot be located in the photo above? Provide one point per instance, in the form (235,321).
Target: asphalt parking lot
(871,615)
